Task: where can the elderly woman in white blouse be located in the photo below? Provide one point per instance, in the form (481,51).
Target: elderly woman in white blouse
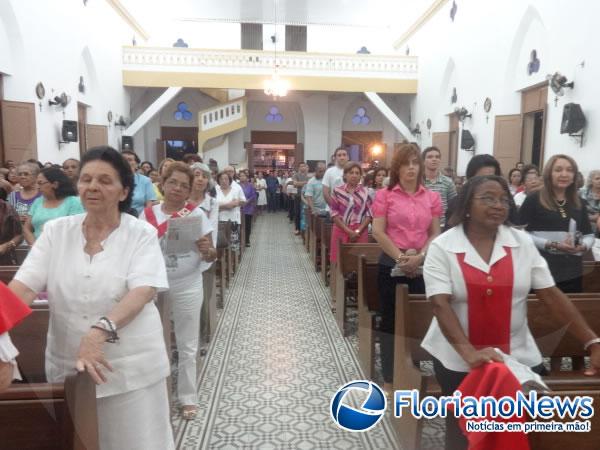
(101,273)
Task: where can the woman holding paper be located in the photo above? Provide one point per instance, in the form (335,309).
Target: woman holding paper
(184,271)
(477,276)
(557,220)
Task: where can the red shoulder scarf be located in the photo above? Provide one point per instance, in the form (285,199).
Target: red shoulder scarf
(162,228)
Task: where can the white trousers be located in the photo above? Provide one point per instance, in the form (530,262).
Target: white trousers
(136,420)
(185,299)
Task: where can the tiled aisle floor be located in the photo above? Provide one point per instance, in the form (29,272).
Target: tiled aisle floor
(277,358)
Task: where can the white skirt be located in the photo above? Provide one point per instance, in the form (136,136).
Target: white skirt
(136,420)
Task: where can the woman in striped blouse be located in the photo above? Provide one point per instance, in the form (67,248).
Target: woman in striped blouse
(350,210)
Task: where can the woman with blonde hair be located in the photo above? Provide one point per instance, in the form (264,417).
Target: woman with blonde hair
(591,193)
(558,222)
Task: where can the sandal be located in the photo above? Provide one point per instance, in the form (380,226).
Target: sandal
(189,412)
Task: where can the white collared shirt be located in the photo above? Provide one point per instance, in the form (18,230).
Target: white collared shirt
(81,289)
(443,275)
(235,193)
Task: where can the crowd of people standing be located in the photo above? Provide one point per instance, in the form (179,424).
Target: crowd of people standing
(105,222)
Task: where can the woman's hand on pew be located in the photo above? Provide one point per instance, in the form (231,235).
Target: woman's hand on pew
(483,356)
(594,361)
(91,356)
(6,375)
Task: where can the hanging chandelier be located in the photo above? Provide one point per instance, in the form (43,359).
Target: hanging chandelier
(276,86)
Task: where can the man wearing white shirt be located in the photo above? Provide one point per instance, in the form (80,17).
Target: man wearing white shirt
(334,176)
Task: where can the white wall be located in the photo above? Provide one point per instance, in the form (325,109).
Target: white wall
(484,53)
(56,43)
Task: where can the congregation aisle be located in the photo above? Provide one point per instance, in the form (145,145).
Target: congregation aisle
(276,359)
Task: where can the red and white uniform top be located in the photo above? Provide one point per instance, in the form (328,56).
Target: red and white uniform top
(489,299)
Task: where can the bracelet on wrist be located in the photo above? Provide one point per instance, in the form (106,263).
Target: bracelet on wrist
(110,327)
(591,342)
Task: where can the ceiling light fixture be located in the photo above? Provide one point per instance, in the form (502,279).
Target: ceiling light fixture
(276,86)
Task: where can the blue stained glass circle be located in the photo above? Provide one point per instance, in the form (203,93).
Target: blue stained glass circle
(274,110)
(187,115)
(269,118)
(365,120)
(278,118)
(361,111)
(182,106)
(178,115)
(356,120)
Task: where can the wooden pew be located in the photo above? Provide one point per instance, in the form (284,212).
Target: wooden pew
(315,243)
(325,243)
(44,416)
(368,309)
(208,315)
(347,264)
(7,273)
(561,441)
(413,317)
(306,234)
(38,415)
(591,276)
(222,260)
(21,253)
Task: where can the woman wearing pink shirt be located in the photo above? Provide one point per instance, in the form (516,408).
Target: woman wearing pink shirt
(350,210)
(406,218)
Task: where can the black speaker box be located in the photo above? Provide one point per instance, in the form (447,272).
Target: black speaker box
(69,131)
(466,140)
(573,119)
(127,143)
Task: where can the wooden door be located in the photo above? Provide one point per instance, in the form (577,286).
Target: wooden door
(299,153)
(161,150)
(96,135)
(19,135)
(442,141)
(507,141)
(249,156)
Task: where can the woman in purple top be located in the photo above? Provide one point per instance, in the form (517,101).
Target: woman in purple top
(250,205)
(22,200)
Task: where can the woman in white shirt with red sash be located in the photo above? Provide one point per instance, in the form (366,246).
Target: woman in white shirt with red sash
(477,276)
(184,271)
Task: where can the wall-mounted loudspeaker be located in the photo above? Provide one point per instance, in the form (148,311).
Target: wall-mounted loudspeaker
(127,143)
(573,119)
(467,142)
(69,131)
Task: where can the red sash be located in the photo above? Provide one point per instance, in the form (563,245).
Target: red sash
(162,228)
(12,309)
(490,302)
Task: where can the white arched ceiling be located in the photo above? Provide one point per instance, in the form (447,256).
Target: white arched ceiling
(11,39)
(87,69)
(530,34)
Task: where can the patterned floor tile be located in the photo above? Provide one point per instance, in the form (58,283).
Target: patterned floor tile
(276,359)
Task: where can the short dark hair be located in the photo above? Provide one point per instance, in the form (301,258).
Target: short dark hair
(430,149)
(465,197)
(480,161)
(511,171)
(117,162)
(220,174)
(65,186)
(338,149)
(195,157)
(529,168)
(131,152)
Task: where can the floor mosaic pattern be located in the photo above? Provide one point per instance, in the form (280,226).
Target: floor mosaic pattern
(276,359)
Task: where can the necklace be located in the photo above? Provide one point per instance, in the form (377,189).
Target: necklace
(561,208)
